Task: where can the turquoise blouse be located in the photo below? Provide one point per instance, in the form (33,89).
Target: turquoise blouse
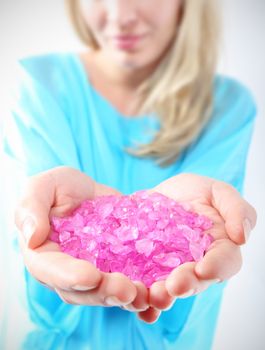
(56,117)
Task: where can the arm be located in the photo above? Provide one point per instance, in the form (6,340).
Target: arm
(38,138)
(220,153)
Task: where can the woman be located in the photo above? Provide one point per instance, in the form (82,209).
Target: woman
(142,108)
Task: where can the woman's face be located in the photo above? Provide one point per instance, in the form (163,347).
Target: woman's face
(133,33)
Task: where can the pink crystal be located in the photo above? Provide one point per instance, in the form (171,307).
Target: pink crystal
(143,235)
(144,246)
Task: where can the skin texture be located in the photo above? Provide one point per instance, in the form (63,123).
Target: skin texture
(60,190)
(148,20)
(117,71)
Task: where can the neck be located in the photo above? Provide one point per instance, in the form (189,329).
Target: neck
(117,84)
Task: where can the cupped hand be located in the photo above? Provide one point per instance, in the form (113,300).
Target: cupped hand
(58,192)
(233,219)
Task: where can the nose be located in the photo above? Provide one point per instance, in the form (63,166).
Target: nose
(122,12)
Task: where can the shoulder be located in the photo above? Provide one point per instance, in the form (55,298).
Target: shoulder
(48,64)
(231,95)
(38,86)
(52,70)
(42,80)
(40,70)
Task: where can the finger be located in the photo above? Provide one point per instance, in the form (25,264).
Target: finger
(102,190)
(32,212)
(182,281)
(222,261)
(159,296)
(55,187)
(58,270)
(72,198)
(240,217)
(77,297)
(151,315)
(66,298)
(140,303)
(53,192)
(117,289)
(114,290)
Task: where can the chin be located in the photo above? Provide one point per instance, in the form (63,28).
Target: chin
(131,63)
(125,63)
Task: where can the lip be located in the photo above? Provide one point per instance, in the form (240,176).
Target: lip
(126,42)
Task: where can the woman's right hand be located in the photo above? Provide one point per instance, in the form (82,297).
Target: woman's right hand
(57,192)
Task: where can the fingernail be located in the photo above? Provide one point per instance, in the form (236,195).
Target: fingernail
(28,228)
(130,307)
(113,301)
(247,228)
(187,294)
(80,288)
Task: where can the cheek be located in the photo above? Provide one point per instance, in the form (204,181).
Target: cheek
(95,17)
(164,17)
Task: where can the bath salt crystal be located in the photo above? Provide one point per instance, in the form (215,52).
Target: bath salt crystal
(143,235)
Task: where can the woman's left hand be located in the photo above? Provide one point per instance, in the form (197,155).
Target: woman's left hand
(233,220)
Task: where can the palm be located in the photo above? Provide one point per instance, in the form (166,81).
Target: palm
(59,191)
(195,191)
(222,259)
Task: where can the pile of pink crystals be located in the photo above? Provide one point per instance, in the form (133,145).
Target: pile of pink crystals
(144,236)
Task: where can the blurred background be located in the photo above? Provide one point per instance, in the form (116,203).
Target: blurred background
(32,26)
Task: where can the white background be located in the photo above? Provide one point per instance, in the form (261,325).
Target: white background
(32,26)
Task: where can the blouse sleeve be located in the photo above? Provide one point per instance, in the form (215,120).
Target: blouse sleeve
(36,132)
(222,148)
(37,136)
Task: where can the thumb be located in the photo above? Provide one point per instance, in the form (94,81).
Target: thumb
(239,216)
(32,220)
(103,190)
(32,215)
(32,211)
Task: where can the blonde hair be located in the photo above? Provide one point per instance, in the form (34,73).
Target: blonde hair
(180,90)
